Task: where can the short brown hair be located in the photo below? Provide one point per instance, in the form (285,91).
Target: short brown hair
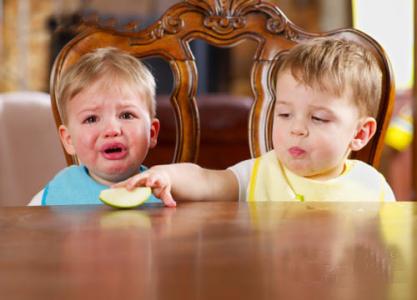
(335,66)
(98,64)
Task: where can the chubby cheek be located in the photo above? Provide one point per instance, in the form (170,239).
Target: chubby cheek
(279,138)
(85,146)
(140,142)
(136,135)
(277,133)
(280,147)
(330,146)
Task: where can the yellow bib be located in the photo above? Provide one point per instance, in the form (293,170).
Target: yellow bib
(271,181)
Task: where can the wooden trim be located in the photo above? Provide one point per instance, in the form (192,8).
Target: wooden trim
(414,144)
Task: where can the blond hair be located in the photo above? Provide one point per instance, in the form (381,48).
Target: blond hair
(337,66)
(101,63)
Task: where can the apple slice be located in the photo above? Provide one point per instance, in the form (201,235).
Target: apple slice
(122,198)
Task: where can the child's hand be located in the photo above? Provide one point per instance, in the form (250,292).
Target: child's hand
(154,178)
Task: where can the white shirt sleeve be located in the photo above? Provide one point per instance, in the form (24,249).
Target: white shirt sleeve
(37,199)
(388,193)
(242,171)
(372,178)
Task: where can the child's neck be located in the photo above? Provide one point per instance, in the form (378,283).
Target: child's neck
(102,180)
(329,174)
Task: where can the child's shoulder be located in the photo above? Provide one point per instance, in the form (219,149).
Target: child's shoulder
(359,166)
(71,175)
(73,170)
(369,176)
(361,171)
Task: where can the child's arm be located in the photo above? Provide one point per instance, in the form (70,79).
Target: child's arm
(186,181)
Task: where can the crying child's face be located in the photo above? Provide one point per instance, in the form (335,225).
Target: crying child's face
(109,129)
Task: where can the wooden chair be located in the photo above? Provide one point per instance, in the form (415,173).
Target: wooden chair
(224,24)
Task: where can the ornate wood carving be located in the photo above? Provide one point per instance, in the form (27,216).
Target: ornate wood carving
(222,25)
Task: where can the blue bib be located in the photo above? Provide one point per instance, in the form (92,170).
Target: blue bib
(73,185)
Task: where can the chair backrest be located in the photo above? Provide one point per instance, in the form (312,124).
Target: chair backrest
(224,24)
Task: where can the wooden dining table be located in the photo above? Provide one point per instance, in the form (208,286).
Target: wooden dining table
(210,250)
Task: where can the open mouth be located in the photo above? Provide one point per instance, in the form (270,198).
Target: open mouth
(113,150)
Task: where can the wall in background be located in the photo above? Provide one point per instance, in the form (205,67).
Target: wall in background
(25,42)
(26,34)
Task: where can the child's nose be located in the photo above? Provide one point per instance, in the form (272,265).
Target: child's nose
(299,128)
(112,129)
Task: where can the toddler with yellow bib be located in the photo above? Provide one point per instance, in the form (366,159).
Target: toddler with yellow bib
(327,94)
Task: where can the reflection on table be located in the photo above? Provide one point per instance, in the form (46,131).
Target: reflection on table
(210,251)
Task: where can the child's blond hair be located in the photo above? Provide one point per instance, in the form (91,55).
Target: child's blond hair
(105,62)
(337,66)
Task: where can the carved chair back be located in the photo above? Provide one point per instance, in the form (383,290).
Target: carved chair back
(224,24)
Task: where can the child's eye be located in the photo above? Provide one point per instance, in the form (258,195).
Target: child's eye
(319,119)
(283,115)
(127,116)
(90,120)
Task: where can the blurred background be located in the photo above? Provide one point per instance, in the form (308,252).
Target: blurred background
(33,32)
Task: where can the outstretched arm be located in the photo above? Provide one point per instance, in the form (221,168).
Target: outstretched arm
(186,181)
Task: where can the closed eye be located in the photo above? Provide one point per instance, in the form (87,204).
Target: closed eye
(90,120)
(319,120)
(283,115)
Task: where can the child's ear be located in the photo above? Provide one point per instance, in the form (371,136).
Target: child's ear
(365,131)
(155,125)
(66,140)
